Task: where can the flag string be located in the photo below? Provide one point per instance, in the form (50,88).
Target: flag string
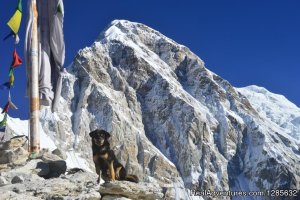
(14,24)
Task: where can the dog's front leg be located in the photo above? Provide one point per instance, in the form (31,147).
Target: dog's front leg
(96,161)
(112,171)
(117,172)
(98,172)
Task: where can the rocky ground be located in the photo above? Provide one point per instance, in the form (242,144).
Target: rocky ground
(47,177)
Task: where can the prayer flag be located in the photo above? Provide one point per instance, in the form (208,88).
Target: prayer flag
(15,22)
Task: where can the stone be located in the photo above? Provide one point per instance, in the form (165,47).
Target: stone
(49,157)
(42,169)
(74,170)
(3,181)
(17,156)
(60,153)
(57,168)
(4,167)
(54,169)
(20,156)
(114,197)
(131,190)
(90,195)
(14,143)
(6,156)
(17,179)
(12,151)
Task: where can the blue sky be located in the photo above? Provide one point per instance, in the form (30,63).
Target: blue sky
(244,41)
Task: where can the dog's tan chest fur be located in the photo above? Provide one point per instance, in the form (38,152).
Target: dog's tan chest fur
(104,156)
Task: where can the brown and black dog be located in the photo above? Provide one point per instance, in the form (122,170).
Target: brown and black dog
(106,161)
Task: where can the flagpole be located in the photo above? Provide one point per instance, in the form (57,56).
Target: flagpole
(34,87)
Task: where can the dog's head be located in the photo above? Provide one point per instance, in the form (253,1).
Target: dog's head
(99,137)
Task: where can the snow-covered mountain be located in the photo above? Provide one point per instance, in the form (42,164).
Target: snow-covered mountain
(173,122)
(274,107)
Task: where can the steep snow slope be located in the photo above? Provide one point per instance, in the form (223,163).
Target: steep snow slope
(274,107)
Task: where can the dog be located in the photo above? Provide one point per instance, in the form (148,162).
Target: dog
(106,161)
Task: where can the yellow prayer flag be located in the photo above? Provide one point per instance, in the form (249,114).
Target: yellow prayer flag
(15,22)
(11,79)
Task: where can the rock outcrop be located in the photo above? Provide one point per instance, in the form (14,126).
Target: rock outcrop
(46,178)
(130,190)
(12,152)
(81,185)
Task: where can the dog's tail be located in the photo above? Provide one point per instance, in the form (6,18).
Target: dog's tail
(132,178)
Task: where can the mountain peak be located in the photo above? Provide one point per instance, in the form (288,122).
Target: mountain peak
(158,95)
(136,33)
(119,27)
(123,22)
(172,121)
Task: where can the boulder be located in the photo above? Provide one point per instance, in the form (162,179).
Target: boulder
(60,153)
(12,152)
(53,164)
(130,190)
(49,157)
(17,179)
(6,156)
(17,156)
(56,168)
(14,143)
(20,156)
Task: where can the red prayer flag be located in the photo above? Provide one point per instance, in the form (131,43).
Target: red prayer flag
(16,59)
(5,109)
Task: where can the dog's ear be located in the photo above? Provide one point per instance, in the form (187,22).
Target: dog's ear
(107,135)
(93,133)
